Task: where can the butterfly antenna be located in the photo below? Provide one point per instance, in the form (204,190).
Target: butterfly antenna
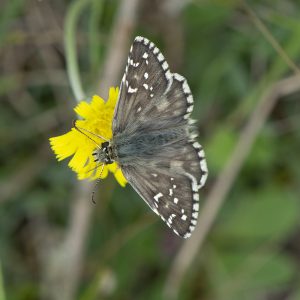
(86,130)
(96,183)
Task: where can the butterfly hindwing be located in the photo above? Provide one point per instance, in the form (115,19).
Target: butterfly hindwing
(169,184)
(169,196)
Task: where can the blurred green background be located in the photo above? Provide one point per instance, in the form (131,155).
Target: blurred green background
(56,244)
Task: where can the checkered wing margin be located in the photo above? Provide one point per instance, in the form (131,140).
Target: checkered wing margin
(149,92)
(170,184)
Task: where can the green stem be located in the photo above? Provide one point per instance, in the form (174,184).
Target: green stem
(2,293)
(73,13)
(94,35)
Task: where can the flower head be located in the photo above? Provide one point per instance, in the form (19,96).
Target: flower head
(97,118)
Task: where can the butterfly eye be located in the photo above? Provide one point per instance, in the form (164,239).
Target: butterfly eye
(105,144)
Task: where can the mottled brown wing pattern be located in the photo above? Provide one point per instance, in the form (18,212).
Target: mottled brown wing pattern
(149,91)
(170,185)
(155,104)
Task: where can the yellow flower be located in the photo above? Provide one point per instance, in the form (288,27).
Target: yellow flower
(97,118)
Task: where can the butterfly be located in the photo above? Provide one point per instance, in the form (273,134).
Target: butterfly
(153,140)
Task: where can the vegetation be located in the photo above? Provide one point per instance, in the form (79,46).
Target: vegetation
(240,60)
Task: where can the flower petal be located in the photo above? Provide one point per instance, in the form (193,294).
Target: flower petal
(91,132)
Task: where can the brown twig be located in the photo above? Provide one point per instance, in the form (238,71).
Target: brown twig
(224,182)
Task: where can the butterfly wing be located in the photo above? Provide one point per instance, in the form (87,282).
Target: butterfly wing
(152,99)
(149,92)
(170,184)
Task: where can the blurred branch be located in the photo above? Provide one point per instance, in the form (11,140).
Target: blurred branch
(224,182)
(94,35)
(269,37)
(65,264)
(73,13)
(118,45)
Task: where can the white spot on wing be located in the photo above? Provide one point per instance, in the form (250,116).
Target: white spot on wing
(186,116)
(155,50)
(196,207)
(192,121)
(165,65)
(186,87)
(187,235)
(203,179)
(190,99)
(194,222)
(169,78)
(201,153)
(196,145)
(196,196)
(178,77)
(195,215)
(203,165)
(131,90)
(139,38)
(190,108)
(192,228)
(156,197)
(160,57)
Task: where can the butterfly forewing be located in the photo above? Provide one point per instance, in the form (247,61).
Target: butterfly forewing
(151,133)
(146,77)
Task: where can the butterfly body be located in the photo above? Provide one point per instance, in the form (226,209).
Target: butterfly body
(153,140)
(144,143)
(104,154)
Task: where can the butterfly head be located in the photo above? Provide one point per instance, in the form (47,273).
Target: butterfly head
(104,154)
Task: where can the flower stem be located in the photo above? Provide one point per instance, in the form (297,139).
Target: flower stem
(73,13)
(94,36)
